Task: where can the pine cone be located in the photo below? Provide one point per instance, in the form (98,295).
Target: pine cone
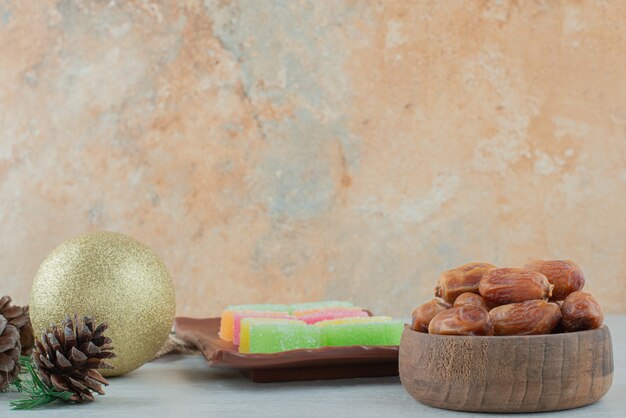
(9,352)
(67,357)
(19,317)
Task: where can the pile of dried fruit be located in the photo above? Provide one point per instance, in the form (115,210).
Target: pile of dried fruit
(480,299)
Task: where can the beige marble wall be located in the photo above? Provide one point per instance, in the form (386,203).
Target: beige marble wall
(302,150)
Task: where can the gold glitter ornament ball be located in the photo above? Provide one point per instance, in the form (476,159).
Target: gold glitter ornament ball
(116,279)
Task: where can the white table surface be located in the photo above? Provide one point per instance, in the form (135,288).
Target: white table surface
(184,386)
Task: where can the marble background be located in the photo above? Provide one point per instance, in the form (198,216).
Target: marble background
(303,150)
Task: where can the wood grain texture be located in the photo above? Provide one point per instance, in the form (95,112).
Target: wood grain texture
(507,374)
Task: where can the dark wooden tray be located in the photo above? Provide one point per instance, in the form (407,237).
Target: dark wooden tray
(307,364)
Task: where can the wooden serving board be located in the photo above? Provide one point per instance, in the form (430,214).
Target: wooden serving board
(306,364)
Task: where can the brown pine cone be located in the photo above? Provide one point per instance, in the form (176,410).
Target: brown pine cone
(19,317)
(68,355)
(9,352)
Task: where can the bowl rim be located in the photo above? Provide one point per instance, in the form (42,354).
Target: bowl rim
(407,327)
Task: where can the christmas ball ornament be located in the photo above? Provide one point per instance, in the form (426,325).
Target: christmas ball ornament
(114,279)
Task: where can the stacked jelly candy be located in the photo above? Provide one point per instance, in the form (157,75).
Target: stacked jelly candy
(309,312)
(265,335)
(374,330)
(274,328)
(239,316)
(227,324)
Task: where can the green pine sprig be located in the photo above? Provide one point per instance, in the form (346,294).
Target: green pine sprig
(39,393)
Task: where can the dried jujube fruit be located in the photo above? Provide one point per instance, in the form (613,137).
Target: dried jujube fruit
(559,327)
(468,298)
(581,311)
(511,285)
(565,275)
(459,280)
(423,314)
(525,318)
(480,299)
(464,320)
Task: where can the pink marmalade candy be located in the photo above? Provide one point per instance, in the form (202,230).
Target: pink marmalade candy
(313,317)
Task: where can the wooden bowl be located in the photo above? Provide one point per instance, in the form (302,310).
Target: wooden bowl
(507,374)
